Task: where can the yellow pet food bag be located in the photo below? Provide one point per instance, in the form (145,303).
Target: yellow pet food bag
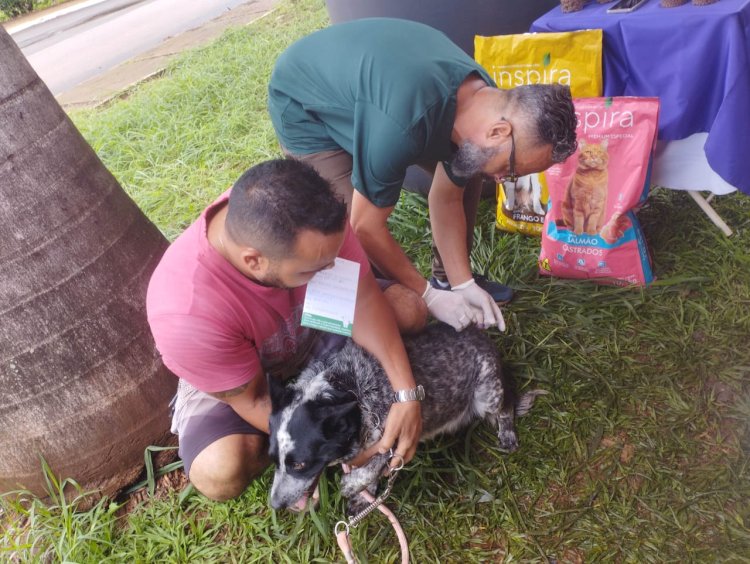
(572,58)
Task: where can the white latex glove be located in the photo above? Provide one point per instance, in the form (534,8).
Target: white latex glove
(449,308)
(490,313)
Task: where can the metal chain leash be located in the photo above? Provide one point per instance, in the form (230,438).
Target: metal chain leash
(359,517)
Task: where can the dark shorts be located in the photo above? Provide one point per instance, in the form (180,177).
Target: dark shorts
(200,419)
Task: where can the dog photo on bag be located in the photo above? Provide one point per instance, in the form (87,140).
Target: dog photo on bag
(337,407)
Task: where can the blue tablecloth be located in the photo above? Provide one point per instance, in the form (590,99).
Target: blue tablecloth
(696,59)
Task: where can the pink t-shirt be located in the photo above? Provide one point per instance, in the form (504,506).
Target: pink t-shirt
(213,326)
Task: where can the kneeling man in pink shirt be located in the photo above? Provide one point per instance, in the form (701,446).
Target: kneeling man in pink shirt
(225,303)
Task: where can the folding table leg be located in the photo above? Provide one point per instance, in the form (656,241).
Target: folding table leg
(710,212)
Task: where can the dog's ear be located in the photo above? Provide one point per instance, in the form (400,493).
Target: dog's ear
(342,420)
(276,390)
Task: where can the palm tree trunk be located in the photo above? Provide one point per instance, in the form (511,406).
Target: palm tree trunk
(80,381)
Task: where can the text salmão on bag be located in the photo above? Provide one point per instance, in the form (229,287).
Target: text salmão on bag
(571,58)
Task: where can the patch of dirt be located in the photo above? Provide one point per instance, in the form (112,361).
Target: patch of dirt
(621,442)
(598,469)
(721,392)
(627,453)
(174,481)
(569,556)
(487,540)
(721,437)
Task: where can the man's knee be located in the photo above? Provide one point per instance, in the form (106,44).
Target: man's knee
(408,307)
(225,468)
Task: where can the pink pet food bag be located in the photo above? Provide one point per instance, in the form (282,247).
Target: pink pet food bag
(590,230)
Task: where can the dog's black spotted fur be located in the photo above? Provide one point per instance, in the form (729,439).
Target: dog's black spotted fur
(338,406)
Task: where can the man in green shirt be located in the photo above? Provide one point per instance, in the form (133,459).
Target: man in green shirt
(364,100)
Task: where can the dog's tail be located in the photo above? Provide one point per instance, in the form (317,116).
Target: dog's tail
(526,401)
(521,404)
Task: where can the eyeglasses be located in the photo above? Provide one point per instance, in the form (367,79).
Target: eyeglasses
(511,176)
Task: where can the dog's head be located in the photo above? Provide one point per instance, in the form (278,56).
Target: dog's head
(311,426)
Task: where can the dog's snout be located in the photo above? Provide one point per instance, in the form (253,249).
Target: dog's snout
(281,500)
(276,503)
(274,498)
(288,492)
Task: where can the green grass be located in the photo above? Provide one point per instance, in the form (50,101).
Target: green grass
(38,6)
(638,454)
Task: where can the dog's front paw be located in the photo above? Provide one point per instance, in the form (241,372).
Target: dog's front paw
(358,503)
(355,482)
(360,478)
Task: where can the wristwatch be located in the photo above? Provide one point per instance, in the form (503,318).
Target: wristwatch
(413,394)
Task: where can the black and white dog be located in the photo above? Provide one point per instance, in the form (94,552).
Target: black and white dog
(338,406)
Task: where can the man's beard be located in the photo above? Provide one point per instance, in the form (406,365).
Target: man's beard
(272,280)
(470,159)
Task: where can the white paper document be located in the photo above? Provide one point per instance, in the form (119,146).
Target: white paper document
(330,298)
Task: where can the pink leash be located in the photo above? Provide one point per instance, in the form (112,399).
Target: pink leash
(342,527)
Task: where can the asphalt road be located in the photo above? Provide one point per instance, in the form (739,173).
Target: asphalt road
(85,39)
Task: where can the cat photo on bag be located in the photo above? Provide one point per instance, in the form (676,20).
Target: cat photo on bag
(585,201)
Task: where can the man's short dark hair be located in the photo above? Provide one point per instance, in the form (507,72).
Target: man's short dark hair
(273,201)
(551,116)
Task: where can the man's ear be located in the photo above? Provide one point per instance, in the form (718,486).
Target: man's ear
(254,260)
(499,130)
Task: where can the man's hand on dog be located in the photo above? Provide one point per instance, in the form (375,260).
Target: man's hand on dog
(403,427)
(449,308)
(488,313)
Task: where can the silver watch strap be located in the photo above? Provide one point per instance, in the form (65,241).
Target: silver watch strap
(413,394)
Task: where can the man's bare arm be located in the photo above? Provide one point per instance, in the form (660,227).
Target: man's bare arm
(369,223)
(375,330)
(449,226)
(251,401)
(230,393)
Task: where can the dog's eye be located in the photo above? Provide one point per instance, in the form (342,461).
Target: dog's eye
(299,466)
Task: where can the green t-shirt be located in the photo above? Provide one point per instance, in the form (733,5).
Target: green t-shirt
(384,90)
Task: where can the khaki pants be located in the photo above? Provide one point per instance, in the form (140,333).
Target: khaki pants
(336,167)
